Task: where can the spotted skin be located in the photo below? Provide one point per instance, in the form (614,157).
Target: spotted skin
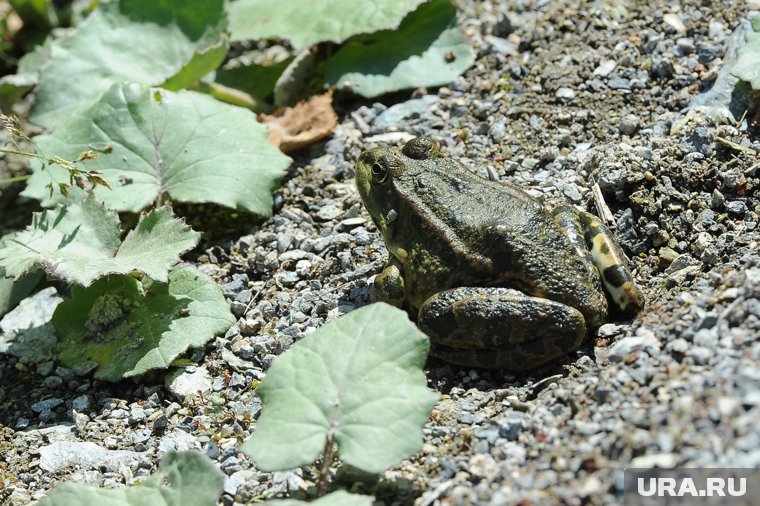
(490,274)
(611,263)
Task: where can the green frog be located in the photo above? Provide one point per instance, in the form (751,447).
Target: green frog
(493,277)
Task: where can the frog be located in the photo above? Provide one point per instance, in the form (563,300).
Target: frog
(493,276)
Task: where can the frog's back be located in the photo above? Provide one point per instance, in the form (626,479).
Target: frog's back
(501,236)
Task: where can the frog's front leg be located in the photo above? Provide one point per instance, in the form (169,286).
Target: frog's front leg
(389,285)
(499,328)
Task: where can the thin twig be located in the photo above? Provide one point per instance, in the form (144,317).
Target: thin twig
(604,212)
(736,146)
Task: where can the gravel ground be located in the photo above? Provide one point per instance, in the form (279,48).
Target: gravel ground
(564,95)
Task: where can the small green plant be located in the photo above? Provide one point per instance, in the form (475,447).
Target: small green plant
(133,308)
(186,478)
(355,388)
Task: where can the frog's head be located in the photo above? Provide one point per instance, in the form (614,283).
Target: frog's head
(380,171)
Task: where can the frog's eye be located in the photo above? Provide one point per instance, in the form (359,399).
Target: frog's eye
(380,171)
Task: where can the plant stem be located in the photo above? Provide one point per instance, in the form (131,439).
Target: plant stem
(22,153)
(14,179)
(324,469)
(232,96)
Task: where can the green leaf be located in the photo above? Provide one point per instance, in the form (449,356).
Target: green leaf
(15,86)
(12,88)
(747,66)
(185,146)
(140,40)
(130,327)
(186,478)
(11,292)
(338,498)
(256,80)
(80,243)
(428,49)
(358,379)
(306,23)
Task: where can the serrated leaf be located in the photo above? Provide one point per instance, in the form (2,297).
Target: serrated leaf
(306,23)
(81,243)
(747,66)
(358,378)
(140,40)
(186,478)
(130,327)
(157,144)
(337,498)
(428,49)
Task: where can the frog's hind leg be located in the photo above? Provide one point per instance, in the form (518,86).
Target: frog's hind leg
(611,262)
(499,328)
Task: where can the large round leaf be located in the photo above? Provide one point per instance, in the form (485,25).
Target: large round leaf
(428,49)
(306,23)
(158,144)
(358,381)
(147,41)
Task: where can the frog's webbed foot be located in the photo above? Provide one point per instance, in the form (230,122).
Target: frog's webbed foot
(389,285)
(499,328)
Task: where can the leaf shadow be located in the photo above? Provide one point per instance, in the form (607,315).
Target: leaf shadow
(67,239)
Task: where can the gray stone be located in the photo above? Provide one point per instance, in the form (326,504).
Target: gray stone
(46,405)
(235,480)
(628,345)
(498,130)
(330,212)
(26,331)
(85,455)
(605,68)
(700,354)
(233,287)
(501,46)
(565,94)
(629,124)
(679,345)
(188,382)
(619,83)
(511,426)
(661,68)
(81,403)
(178,441)
(396,114)
(662,460)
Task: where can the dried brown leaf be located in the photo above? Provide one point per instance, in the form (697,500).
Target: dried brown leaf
(305,123)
